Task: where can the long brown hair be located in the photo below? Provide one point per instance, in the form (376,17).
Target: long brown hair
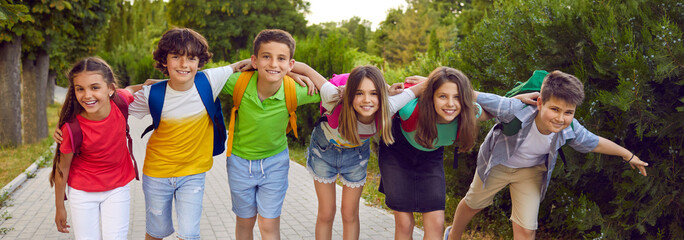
(71,107)
(348,119)
(426,132)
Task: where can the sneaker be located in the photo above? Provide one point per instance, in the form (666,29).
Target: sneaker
(446,233)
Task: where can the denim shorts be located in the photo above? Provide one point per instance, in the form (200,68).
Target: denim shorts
(258,186)
(188,192)
(325,161)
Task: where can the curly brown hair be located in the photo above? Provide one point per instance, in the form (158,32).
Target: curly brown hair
(181,41)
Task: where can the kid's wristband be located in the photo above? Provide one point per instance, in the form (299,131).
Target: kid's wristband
(630,159)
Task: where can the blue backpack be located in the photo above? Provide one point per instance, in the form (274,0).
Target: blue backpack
(156,103)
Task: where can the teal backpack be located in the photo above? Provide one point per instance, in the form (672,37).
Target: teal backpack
(533,84)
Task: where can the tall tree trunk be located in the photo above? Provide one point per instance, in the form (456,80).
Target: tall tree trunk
(33,88)
(10,105)
(50,92)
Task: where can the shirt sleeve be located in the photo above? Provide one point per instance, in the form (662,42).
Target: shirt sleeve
(584,140)
(230,83)
(139,108)
(65,146)
(502,108)
(218,78)
(408,109)
(398,101)
(330,96)
(303,96)
(126,95)
(478,110)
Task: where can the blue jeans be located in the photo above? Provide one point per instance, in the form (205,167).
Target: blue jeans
(188,192)
(325,161)
(258,186)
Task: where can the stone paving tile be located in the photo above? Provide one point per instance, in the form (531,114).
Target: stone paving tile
(33,210)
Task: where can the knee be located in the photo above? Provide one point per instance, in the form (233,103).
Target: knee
(405,226)
(350,215)
(326,215)
(520,232)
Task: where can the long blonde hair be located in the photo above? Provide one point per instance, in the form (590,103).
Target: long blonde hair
(348,119)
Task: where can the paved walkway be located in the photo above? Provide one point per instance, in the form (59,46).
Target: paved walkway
(33,210)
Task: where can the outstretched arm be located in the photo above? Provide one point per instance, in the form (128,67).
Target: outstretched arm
(606,146)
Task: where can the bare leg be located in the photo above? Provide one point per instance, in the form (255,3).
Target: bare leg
(403,225)
(350,212)
(148,237)
(244,227)
(433,223)
(462,217)
(521,233)
(269,228)
(326,209)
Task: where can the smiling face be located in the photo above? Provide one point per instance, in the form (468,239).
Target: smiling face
(554,115)
(366,101)
(182,70)
(447,102)
(273,61)
(92,93)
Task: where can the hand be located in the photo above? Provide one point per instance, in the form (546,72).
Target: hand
(57,136)
(242,66)
(396,88)
(152,81)
(528,98)
(637,163)
(61,220)
(304,81)
(415,79)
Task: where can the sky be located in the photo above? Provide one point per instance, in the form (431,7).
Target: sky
(374,11)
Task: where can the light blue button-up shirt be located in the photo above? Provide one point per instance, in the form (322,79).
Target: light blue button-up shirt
(497,147)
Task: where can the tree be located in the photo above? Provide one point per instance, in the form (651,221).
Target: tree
(10,66)
(229,25)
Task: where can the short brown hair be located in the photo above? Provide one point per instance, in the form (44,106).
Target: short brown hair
(564,87)
(274,35)
(426,133)
(181,41)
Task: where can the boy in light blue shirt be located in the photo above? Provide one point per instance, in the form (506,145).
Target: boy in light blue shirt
(526,160)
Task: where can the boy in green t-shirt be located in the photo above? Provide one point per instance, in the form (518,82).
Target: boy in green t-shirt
(259,163)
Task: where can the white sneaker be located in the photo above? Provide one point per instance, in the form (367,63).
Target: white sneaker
(446,233)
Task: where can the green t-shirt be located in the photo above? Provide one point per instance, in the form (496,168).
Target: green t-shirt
(446,133)
(260,126)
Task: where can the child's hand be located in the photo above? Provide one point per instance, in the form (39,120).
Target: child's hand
(528,98)
(57,136)
(61,220)
(304,81)
(413,80)
(242,66)
(152,81)
(637,163)
(396,88)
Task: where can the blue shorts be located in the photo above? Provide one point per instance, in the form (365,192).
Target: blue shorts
(325,161)
(188,192)
(258,186)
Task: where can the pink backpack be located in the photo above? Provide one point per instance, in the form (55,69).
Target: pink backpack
(333,118)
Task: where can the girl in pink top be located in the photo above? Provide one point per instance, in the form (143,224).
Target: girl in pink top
(96,178)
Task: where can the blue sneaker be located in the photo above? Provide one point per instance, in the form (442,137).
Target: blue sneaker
(446,233)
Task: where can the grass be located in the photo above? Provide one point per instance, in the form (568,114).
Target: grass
(14,160)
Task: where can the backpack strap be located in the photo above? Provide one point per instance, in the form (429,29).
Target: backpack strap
(155,102)
(291,103)
(123,107)
(213,107)
(238,91)
(75,134)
